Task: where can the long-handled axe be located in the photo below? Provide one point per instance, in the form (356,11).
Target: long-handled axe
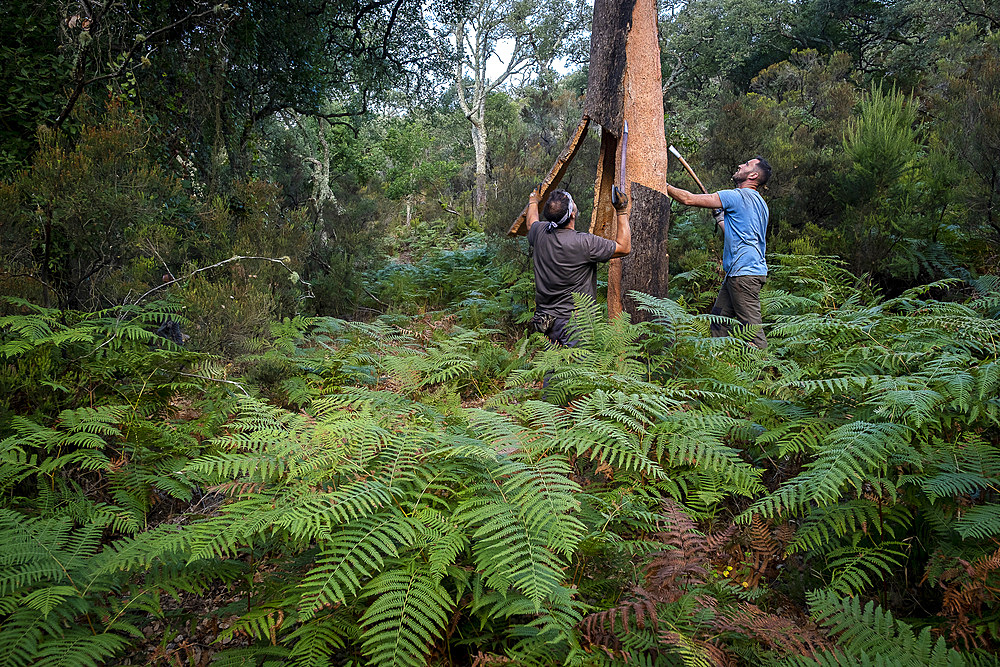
(618,196)
(687,167)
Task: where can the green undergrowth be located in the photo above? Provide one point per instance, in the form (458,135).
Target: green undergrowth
(415,491)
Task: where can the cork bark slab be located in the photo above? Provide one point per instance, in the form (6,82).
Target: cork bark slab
(555,175)
(602,220)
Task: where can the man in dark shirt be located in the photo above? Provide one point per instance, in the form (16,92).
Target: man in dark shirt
(566,260)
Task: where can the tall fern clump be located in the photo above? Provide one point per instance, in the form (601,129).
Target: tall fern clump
(860,455)
(89,450)
(901,443)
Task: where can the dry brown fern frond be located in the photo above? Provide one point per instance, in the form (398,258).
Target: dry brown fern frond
(690,558)
(718,656)
(600,628)
(772,631)
(489,660)
(765,550)
(784,533)
(966,589)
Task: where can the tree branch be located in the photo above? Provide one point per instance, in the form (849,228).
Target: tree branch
(82,82)
(234,258)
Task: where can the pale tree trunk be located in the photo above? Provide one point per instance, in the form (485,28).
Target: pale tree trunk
(479,144)
(476,39)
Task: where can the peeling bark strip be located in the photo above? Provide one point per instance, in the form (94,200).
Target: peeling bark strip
(554,177)
(605,101)
(602,220)
(647,268)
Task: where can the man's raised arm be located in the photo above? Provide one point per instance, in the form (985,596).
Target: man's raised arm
(712,201)
(532,217)
(691,199)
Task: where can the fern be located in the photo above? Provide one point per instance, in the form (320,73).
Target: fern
(518,514)
(355,550)
(873,635)
(856,569)
(824,525)
(852,454)
(409,611)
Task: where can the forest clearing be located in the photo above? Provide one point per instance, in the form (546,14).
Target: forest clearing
(268,392)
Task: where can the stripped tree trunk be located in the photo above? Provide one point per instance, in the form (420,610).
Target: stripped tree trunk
(647,269)
(625,84)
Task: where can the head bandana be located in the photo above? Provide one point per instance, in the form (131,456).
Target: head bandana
(563,220)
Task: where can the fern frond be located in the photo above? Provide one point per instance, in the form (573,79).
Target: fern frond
(518,513)
(682,443)
(874,635)
(980,522)
(356,552)
(314,641)
(851,454)
(856,568)
(408,612)
(849,517)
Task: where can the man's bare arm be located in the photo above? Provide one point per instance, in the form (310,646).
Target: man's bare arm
(532,215)
(691,199)
(623,237)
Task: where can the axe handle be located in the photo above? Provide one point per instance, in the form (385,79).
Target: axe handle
(691,172)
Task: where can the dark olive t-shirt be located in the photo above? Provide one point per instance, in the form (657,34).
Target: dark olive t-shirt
(565,263)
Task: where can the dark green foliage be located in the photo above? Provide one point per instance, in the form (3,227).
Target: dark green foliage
(30,61)
(83,222)
(384,519)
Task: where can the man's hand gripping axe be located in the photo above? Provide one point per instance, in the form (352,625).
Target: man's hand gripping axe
(716,213)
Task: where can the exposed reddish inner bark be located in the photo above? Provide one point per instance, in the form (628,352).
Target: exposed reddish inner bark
(625,83)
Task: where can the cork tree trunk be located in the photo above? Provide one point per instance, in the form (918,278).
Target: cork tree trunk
(625,84)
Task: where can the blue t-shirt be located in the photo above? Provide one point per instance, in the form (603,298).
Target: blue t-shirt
(746,227)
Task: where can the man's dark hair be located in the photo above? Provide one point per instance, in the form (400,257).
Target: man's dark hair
(764,169)
(556,205)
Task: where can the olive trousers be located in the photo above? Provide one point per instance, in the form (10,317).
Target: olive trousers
(739,299)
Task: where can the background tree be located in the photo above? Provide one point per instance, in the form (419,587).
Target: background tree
(478,35)
(967,110)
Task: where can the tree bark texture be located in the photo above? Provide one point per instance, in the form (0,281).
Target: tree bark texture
(638,98)
(605,95)
(479,143)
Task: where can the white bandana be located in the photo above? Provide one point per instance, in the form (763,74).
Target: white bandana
(563,220)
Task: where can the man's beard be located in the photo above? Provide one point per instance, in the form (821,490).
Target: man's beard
(739,181)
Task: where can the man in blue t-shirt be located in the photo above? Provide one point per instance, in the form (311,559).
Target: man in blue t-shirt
(742,215)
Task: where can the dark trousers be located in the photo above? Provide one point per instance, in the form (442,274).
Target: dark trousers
(559,334)
(739,299)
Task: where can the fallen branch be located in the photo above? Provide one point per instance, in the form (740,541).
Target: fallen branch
(282,261)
